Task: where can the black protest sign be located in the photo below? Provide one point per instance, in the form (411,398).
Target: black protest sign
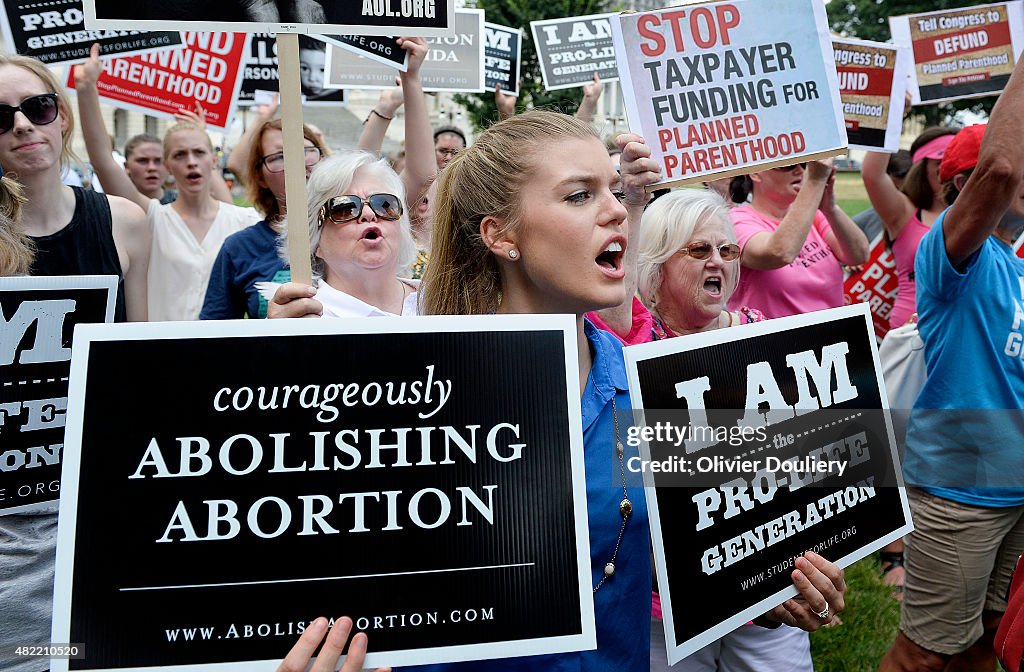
(424,476)
(762,442)
(503,49)
(453,63)
(570,51)
(259,71)
(381,49)
(344,17)
(37,320)
(55,32)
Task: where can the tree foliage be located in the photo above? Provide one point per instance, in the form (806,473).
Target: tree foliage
(518,14)
(869,20)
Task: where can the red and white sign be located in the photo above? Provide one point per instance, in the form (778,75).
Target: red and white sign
(875,285)
(207,71)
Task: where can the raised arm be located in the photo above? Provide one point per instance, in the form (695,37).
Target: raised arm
(996,180)
(770,250)
(377,122)
(132,239)
(591,96)
(420,165)
(846,239)
(506,104)
(891,204)
(239,157)
(638,171)
(97,141)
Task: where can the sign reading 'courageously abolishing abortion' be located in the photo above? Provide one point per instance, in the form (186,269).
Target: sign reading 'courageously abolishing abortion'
(37,320)
(423,475)
(54,32)
(761,442)
(729,87)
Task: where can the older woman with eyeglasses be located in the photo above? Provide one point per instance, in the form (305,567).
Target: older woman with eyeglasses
(688,264)
(250,256)
(793,237)
(360,240)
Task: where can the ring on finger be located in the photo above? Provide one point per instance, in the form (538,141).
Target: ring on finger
(825,614)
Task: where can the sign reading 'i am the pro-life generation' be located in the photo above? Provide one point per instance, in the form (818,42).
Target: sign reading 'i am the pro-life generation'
(761,442)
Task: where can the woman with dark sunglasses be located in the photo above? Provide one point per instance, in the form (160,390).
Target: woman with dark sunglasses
(58,230)
(72,231)
(360,241)
(793,238)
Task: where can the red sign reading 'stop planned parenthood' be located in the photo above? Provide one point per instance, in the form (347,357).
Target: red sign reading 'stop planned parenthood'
(206,72)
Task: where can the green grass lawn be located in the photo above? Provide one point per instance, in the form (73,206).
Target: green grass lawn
(869,624)
(850,193)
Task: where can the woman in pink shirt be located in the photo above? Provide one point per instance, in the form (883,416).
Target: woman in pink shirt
(908,213)
(793,237)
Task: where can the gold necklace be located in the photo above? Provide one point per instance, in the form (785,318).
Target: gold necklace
(625,506)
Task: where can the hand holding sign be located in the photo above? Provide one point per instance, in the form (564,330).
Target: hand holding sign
(298,658)
(293,299)
(417,48)
(637,168)
(822,587)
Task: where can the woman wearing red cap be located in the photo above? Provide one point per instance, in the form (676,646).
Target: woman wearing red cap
(908,213)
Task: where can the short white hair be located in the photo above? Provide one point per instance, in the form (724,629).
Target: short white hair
(668,224)
(333,176)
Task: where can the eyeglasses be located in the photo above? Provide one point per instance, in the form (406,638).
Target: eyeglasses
(701,250)
(274,163)
(341,209)
(447,152)
(40,110)
(790,169)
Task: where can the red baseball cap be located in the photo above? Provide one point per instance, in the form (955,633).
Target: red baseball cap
(962,153)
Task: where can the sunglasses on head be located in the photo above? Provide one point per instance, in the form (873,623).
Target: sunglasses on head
(702,250)
(790,169)
(341,209)
(40,110)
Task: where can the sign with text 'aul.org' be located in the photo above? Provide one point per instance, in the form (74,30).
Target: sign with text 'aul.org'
(426,472)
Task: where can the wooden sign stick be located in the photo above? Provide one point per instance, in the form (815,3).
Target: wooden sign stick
(294,156)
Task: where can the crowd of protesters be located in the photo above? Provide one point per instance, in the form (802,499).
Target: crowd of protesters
(541,215)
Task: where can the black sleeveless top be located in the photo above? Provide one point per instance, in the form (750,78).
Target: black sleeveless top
(84,247)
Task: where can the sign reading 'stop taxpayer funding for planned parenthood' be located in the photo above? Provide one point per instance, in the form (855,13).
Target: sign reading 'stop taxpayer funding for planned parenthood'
(423,476)
(724,88)
(961,53)
(340,17)
(872,81)
(55,32)
(759,443)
